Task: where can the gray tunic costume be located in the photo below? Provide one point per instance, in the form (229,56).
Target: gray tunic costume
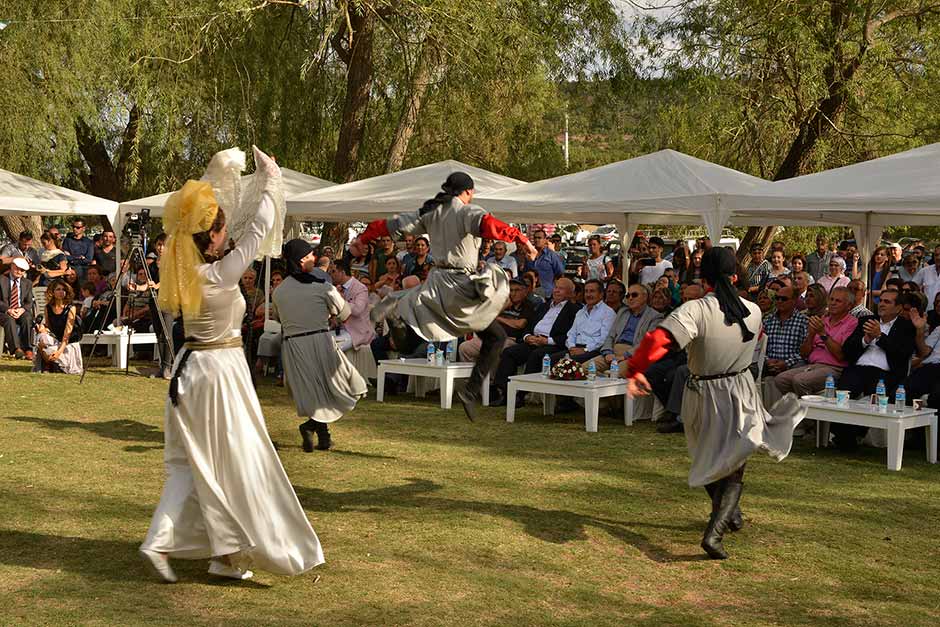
(455,300)
(725,420)
(322,382)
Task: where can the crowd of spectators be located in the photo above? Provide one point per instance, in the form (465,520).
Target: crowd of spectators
(826,312)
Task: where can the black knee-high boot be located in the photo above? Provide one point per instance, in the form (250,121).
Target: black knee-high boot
(492,340)
(324,442)
(737,520)
(728,495)
(307,430)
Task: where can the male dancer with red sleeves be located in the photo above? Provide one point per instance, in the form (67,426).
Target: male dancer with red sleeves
(725,420)
(456,299)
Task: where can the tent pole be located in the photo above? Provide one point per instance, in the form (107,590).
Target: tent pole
(267,287)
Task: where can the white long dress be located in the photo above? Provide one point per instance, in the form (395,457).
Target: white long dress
(226,492)
(725,420)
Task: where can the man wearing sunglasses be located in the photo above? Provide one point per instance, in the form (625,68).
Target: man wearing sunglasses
(632,323)
(786,329)
(79,248)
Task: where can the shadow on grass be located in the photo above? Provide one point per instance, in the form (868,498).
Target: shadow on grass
(121,430)
(549,525)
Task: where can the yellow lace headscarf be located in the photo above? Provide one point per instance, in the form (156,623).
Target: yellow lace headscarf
(190,210)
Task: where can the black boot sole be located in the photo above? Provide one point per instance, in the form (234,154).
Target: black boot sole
(469,405)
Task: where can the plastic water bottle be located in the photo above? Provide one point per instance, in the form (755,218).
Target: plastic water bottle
(900,399)
(880,389)
(882,395)
(830,389)
(431,353)
(614,372)
(592,371)
(440,357)
(451,351)
(546,366)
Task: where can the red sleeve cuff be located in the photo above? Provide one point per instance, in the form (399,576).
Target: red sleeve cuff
(493,228)
(376,229)
(655,346)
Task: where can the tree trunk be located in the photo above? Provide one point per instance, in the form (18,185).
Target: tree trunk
(13,225)
(425,67)
(355,49)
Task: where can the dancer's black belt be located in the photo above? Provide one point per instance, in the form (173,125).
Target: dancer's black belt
(305,334)
(452,269)
(192,344)
(714,377)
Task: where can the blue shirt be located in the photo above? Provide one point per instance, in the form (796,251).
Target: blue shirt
(629,330)
(548,265)
(590,328)
(81,251)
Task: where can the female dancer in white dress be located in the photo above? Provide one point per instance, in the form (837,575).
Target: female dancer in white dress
(725,420)
(226,496)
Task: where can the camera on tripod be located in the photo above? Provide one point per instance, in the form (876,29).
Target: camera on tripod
(135,226)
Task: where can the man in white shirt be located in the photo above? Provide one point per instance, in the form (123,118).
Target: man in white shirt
(928,278)
(507,262)
(651,273)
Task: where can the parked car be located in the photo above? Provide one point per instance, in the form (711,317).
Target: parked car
(607,233)
(574,256)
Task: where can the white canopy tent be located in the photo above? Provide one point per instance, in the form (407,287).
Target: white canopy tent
(21,195)
(388,194)
(665,187)
(294,183)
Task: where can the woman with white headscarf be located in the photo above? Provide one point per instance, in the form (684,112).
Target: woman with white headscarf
(836,277)
(226,496)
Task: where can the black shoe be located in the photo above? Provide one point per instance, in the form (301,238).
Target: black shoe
(670,426)
(718,523)
(307,436)
(497,397)
(737,519)
(470,403)
(324,441)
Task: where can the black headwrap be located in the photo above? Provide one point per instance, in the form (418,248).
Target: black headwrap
(718,266)
(293,251)
(456,184)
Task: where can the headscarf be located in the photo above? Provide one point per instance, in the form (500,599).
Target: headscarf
(718,266)
(188,211)
(455,184)
(293,251)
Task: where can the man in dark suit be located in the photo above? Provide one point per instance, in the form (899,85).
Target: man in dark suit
(881,347)
(547,334)
(16,308)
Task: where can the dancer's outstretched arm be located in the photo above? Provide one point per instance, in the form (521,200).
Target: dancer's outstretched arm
(655,345)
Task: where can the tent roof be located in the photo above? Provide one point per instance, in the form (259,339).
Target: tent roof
(20,194)
(388,194)
(664,187)
(294,183)
(902,188)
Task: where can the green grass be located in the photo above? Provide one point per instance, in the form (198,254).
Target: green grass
(426,519)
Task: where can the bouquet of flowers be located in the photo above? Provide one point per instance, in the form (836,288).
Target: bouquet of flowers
(567,369)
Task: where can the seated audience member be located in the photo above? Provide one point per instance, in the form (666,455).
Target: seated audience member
(88,297)
(928,278)
(925,376)
(880,348)
(421,262)
(908,268)
(16,308)
(661,301)
(504,261)
(390,280)
(786,329)
(136,312)
(614,294)
(778,267)
(591,325)
(384,250)
(860,293)
(836,276)
(50,357)
(817,301)
(893,284)
(269,342)
(578,297)
(22,247)
(547,334)
(514,318)
(93,275)
(822,348)
(321,271)
(765,302)
(797,264)
(630,325)
(531,278)
(910,287)
(667,377)
(60,319)
(801,283)
(357,330)
(54,262)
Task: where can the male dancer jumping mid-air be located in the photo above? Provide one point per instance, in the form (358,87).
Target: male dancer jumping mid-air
(455,299)
(725,420)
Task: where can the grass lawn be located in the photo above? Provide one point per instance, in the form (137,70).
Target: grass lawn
(427,519)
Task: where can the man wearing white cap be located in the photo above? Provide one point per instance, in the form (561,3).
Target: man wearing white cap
(16,308)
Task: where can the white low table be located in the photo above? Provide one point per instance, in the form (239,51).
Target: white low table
(121,341)
(446,374)
(861,413)
(591,391)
